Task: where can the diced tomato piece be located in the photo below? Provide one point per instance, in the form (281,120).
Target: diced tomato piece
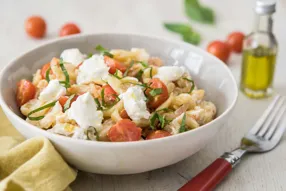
(114,64)
(25,92)
(64,99)
(158,134)
(157,100)
(124,130)
(44,70)
(109,94)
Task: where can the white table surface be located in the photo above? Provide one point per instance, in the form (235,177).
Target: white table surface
(262,172)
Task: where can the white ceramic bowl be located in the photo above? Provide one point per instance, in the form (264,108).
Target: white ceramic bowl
(208,72)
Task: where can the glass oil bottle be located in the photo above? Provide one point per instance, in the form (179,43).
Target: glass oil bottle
(259,54)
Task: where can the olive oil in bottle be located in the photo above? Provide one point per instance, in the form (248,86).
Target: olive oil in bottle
(259,54)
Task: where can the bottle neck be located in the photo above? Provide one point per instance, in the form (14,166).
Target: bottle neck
(264,23)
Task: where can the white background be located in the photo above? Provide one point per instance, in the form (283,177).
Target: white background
(256,172)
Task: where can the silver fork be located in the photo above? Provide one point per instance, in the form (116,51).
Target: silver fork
(263,137)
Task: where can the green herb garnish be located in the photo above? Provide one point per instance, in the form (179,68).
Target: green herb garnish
(52,104)
(193,84)
(67,81)
(178,28)
(127,70)
(98,104)
(104,51)
(195,11)
(68,102)
(156,91)
(48,74)
(144,64)
(89,55)
(155,118)
(116,75)
(139,74)
(102,96)
(192,38)
(183,124)
(151,72)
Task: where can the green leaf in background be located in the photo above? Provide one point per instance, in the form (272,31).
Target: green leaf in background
(192,38)
(178,28)
(195,11)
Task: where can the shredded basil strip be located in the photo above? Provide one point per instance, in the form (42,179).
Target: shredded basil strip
(193,84)
(153,120)
(116,75)
(142,85)
(151,71)
(40,109)
(98,103)
(160,118)
(67,82)
(48,74)
(183,124)
(127,70)
(104,51)
(139,74)
(144,64)
(156,91)
(102,96)
(68,102)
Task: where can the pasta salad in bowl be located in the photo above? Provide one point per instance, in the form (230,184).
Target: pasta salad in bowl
(117,95)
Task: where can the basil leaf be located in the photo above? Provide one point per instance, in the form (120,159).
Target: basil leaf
(48,74)
(195,11)
(139,74)
(104,51)
(52,104)
(144,64)
(127,70)
(102,96)
(193,84)
(178,28)
(153,120)
(116,75)
(68,102)
(192,38)
(162,121)
(151,72)
(98,103)
(67,82)
(89,55)
(156,91)
(183,124)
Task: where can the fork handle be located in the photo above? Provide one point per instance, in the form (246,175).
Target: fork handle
(214,173)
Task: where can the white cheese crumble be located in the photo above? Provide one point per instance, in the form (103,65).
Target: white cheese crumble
(169,73)
(134,102)
(93,69)
(52,92)
(73,56)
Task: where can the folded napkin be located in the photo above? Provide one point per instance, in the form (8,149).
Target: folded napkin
(33,164)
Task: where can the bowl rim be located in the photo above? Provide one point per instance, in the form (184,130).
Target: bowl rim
(47,134)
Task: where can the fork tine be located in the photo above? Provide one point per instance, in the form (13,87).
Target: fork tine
(279,131)
(260,121)
(276,123)
(269,120)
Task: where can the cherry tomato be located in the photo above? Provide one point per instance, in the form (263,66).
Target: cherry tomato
(235,41)
(157,100)
(158,134)
(44,70)
(124,130)
(64,99)
(35,26)
(69,29)
(25,92)
(219,49)
(109,94)
(123,114)
(114,64)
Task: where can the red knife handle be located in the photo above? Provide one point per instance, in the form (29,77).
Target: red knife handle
(209,177)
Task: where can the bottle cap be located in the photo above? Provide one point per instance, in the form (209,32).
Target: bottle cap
(264,7)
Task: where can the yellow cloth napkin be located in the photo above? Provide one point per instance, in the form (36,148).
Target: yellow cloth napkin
(30,165)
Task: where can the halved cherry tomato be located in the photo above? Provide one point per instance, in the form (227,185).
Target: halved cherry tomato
(25,92)
(158,134)
(35,26)
(235,41)
(109,94)
(114,64)
(69,29)
(64,99)
(123,114)
(44,70)
(219,49)
(157,100)
(124,130)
